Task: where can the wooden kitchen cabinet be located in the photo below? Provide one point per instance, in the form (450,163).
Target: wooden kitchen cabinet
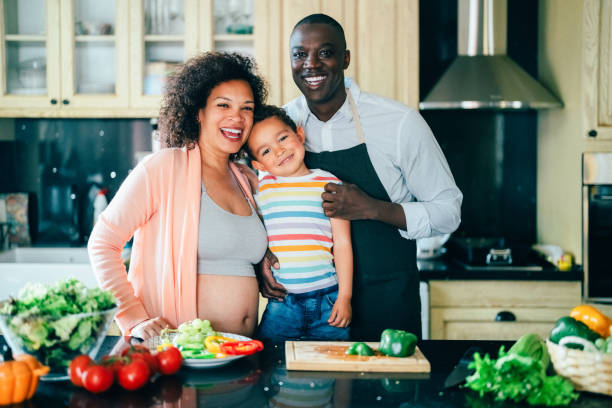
(62,57)
(106,59)
(464,310)
(383,37)
(597,39)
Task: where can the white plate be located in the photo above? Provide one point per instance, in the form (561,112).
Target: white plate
(153,342)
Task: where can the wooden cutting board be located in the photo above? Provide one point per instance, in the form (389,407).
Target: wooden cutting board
(330,356)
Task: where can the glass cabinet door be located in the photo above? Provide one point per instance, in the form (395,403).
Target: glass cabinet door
(28,54)
(233,26)
(162,39)
(94,53)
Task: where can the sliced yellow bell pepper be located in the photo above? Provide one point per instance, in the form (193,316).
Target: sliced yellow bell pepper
(213,343)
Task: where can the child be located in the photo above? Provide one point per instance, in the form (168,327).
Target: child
(314,251)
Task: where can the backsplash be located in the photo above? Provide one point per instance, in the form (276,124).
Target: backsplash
(492,154)
(62,162)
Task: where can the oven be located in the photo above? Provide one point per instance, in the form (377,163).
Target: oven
(597,226)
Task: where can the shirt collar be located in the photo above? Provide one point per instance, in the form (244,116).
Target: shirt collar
(343,112)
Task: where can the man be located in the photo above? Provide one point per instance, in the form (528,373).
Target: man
(397,185)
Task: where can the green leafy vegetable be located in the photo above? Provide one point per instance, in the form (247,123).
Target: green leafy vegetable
(190,335)
(43,318)
(520,375)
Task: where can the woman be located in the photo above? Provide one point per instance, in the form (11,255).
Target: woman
(196,231)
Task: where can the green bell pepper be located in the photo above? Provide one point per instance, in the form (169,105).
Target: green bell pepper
(568,326)
(199,354)
(397,343)
(360,349)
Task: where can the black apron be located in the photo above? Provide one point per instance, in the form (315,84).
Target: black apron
(385,275)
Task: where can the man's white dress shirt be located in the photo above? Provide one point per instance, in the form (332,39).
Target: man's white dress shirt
(403,151)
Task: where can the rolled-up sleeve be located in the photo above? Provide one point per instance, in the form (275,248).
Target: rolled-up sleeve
(435,205)
(128,210)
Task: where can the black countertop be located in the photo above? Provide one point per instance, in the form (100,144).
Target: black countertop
(262,381)
(444,268)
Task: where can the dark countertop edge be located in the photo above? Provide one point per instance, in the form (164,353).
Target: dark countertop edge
(571,276)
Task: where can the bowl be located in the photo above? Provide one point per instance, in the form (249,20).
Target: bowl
(33,73)
(55,341)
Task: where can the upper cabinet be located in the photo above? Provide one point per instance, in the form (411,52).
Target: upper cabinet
(91,58)
(598,68)
(382,35)
(165,33)
(50,67)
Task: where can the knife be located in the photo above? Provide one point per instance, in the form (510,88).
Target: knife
(461,371)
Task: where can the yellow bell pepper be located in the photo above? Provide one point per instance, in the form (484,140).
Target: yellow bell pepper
(593,318)
(213,343)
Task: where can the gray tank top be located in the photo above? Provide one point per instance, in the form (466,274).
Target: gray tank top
(229,244)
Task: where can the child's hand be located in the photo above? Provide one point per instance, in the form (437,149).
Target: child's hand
(341,313)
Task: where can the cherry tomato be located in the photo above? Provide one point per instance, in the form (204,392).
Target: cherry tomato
(97,378)
(169,360)
(143,353)
(77,367)
(134,375)
(114,363)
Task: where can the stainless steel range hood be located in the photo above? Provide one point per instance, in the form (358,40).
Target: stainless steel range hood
(483,76)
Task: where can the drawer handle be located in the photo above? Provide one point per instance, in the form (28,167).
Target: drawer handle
(505,316)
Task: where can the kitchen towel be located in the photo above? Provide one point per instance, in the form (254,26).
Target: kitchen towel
(17,217)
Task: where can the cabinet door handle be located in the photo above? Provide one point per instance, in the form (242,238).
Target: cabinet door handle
(53,101)
(505,316)
(65,101)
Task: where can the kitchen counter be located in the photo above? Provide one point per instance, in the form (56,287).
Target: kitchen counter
(262,381)
(445,269)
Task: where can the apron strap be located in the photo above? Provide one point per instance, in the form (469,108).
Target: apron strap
(355,112)
(358,126)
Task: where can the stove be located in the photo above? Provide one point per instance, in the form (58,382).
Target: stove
(488,254)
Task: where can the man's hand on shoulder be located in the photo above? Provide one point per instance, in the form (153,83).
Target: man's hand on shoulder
(347,201)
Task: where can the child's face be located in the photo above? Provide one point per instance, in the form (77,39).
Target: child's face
(277,148)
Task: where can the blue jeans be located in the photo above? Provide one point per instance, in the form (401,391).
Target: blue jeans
(301,317)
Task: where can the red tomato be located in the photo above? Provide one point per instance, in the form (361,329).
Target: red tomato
(77,367)
(114,363)
(134,375)
(143,353)
(169,360)
(97,378)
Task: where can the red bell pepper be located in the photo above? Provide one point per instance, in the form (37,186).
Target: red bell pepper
(236,348)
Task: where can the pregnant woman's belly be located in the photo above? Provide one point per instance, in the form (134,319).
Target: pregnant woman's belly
(229,302)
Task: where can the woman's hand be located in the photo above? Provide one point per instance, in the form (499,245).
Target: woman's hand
(149,328)
(268,286)
(341,313)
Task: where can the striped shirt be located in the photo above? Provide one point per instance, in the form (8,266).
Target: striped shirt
(299,233)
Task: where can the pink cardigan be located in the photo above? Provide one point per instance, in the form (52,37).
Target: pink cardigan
(159,204)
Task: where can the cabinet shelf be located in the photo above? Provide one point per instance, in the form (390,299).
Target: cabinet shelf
(234,37)
(164,38)
(94,38)
(25,38)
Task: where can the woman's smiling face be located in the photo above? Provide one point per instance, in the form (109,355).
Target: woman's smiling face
(227,118)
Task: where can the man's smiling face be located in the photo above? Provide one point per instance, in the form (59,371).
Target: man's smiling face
(318,60)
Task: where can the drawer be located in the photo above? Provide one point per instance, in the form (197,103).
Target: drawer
(480,323)
(473,293)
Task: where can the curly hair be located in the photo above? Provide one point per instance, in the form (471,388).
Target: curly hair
(189,87)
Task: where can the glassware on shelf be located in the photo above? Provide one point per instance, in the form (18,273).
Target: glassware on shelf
(164,17)
(233,16)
